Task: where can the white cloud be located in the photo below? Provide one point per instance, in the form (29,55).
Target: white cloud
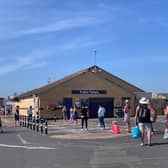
(35,59)
(60,25)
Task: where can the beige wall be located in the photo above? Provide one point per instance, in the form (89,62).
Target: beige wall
(86,81)
(24,104)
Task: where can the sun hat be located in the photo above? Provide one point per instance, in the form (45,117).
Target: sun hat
(126,101)
(144,100)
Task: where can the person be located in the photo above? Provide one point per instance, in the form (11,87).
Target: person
(166,121)
(152,115)
(101,114)
(64,113)
(30,113)
(84,117)
(143,118)
(17,116)
(75,116)
(71,113)
(166,116)
(127,115)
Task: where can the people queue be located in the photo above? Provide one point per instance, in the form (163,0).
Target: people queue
(145,116)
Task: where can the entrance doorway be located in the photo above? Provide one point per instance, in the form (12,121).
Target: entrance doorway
(106,102)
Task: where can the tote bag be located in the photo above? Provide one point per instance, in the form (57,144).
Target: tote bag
(135,132)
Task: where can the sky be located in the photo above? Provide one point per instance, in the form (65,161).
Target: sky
(46,40)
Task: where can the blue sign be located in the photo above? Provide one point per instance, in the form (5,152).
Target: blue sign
(89,91)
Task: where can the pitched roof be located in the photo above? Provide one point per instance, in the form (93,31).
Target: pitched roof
(94,69)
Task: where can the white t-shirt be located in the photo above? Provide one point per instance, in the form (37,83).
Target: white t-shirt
(101,111)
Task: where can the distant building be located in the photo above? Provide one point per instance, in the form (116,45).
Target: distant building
(91,86)
(1,101)
(2,105)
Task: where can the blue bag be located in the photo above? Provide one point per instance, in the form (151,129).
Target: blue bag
(165,136)
(135,132)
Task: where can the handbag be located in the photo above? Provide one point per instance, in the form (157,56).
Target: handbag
(135,132)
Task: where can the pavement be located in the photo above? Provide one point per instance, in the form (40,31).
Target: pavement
(68,130)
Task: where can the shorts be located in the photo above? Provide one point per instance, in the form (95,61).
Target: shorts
(16,117)
(145,127)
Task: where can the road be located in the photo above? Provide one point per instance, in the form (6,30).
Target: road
(23,148)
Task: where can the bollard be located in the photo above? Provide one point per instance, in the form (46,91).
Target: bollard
(46,127)
(41,125)
(37,124)
(25,121)
(55,118)
(20,121)
(34,124)
(1,125)
(30,122)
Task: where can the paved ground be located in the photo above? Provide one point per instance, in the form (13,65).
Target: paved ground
(24,148)
(67,130)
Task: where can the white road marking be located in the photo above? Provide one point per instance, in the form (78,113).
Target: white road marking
(23,141)
(26,147)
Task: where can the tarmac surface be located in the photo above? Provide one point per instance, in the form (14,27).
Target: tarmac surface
(66,146)
(68,130)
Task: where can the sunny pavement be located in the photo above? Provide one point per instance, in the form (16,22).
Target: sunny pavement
(67,130)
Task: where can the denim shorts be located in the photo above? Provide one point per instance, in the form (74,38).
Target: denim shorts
(145,127)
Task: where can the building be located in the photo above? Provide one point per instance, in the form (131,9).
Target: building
(91,86)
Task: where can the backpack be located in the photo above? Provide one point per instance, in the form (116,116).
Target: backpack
(144,114)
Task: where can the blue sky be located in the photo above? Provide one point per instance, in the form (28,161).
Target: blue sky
(42,39)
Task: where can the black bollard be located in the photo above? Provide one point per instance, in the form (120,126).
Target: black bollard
(20,120)
(25,121)
(37,124)
(41,125)
(1,125)
(46,127)
(34,123)
(55,117)
(30,123)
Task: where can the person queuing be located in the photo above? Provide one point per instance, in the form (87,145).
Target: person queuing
(75,116)
(84,118)
(127,115)
(143,118)
(101,114)
(166,116)
(64,113)
(71,113)
(30,113)
(17,116)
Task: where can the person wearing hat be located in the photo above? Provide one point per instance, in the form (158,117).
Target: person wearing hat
(143,118)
